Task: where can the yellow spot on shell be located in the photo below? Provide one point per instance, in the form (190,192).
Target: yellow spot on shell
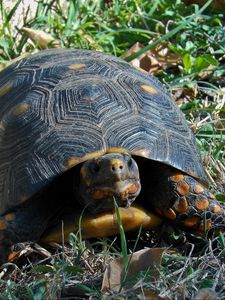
(116,150)
(149,89)
(20,108)
(71,162)
(141,153)
(77,66)
(5,88)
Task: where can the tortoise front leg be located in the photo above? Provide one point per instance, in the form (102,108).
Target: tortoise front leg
(25,223)
(193,206)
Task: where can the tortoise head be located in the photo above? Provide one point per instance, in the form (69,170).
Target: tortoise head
(108,177)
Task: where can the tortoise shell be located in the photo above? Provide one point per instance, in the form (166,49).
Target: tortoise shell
(61,107)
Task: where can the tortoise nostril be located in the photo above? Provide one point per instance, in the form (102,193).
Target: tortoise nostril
(117,167)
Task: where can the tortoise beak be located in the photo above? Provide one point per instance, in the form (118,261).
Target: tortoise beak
(121,188)
(124,193)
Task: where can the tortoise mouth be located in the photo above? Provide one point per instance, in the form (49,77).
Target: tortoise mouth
(101,198)
(124,189)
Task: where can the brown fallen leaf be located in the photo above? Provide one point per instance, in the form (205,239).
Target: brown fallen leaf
(43,39)
(143,260)
(146,61)
(216,4)
(26,249)
(160,57)
(184,94)
(206,294)
(148,295)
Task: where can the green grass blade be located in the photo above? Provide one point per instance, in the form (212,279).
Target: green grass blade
(122,237)
(11,13)
(72,11)
(169,34)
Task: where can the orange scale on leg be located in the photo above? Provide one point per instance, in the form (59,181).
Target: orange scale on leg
(181,206)
(205,225)
(216,209)
(3,224)
(182,188)
(201,204)
(98,194)
(177,178)
(170,214)
(198,189)
(191,221)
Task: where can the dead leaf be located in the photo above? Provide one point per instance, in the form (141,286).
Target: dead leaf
(143,260)
(165,56)
(184,94)
(146,61)
(43,39)
(216,4)
(206,294)
(149,295)
(160,57)
(26,249)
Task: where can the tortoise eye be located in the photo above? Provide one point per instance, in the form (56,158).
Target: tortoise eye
(96,168)
(130,162)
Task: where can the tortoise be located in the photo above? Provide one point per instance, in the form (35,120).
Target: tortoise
(80,130)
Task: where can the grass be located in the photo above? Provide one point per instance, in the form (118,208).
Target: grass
(195,35)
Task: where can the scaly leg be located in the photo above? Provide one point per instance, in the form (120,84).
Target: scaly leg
(194,208)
